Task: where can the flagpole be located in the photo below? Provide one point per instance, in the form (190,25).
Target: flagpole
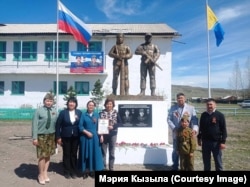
(208,53)
(57,50)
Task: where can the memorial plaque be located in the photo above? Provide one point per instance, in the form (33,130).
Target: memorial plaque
(135,115)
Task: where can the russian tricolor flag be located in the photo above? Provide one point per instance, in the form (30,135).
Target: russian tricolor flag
(69,23)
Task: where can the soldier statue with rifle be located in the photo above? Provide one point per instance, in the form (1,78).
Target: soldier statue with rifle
(150,53)
(121,53)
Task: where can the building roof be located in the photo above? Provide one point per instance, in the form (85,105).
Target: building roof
(160,29)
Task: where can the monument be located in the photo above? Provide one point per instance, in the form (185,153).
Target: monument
(143,136)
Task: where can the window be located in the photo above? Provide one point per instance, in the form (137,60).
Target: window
(2,51)
(25,51)
(93,46)
(1,87)
(17,87)
(82,88)
(51,50)
(63,87)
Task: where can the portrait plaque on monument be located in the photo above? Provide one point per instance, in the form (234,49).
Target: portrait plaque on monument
(135,115)
(103,126)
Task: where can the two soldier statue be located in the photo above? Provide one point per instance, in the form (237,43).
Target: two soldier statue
(121,53)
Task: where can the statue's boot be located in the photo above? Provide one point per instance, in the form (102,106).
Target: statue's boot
(114,92)
(142,93)
(126,92)
(153,92)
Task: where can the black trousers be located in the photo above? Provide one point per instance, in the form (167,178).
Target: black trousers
(70,149)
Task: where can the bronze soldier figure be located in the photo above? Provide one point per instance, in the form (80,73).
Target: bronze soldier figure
(121,53)
(150,53)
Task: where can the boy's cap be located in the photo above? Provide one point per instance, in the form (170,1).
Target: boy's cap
(185,117)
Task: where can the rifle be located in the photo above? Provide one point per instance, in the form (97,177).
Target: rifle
(122,74)
(150,59)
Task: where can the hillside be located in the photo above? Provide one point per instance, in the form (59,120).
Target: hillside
(190,91)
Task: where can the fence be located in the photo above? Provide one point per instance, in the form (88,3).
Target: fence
(21,114)
(16,114)
(27,114)
(227,111)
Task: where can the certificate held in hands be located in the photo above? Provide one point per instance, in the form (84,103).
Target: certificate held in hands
(103,126)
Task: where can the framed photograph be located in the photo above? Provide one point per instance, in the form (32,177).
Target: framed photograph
(103,126)
(135,115)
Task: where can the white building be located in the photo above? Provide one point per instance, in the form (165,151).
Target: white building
(28,64)
(29,69)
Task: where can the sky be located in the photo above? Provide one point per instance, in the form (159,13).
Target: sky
(191,52)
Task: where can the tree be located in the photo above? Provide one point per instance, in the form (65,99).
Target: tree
(98,93)
(236,81)
(70,93)
(247,78)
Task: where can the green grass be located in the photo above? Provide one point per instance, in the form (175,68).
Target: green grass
(236,156)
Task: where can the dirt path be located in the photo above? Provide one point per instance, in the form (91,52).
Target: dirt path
(18,163)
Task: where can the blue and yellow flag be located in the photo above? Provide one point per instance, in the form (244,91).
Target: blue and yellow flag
(212,23)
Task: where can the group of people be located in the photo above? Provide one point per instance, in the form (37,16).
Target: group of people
(121,53)
(84,150)
(209,132)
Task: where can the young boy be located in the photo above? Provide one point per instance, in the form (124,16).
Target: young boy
(186,145)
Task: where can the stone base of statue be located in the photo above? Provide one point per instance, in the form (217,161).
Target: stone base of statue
(144,154)
(143,139)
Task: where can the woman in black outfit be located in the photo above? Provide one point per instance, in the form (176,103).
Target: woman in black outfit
(67,135)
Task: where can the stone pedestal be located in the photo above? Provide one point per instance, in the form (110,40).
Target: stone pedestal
(157,134)
(144,155)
